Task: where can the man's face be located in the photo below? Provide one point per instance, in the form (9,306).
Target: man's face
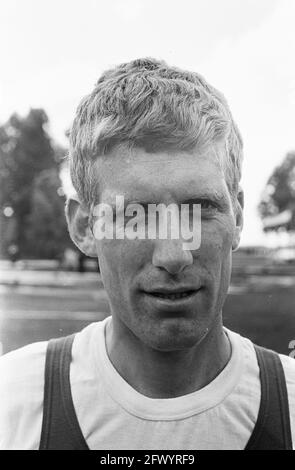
(137,274)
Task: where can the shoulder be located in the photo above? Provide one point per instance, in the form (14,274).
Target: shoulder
(23,367)
(252,369)
(85,350)
(288,364)
(21,391)
(19,358)
(248,348)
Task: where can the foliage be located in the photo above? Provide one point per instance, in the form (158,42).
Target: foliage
(29,163)
(46,224)
(279,193)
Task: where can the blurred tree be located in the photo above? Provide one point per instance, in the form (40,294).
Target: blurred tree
(46,222)
(279,194)
(26,150)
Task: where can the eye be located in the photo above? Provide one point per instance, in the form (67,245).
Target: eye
(208,208)
(206,204)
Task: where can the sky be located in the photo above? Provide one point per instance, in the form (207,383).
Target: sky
(54,51)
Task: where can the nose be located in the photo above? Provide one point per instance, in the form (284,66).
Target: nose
(170,255)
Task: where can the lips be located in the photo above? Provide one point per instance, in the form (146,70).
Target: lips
(172,295)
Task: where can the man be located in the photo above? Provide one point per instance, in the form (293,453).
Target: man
(161,372)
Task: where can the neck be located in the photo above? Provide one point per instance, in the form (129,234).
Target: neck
(158,374)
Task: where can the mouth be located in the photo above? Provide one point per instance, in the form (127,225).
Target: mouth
(173,296)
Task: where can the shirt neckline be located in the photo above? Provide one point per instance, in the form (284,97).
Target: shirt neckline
(167,409)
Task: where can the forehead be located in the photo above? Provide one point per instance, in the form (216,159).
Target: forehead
(171,175)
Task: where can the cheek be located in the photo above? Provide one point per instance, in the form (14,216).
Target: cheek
(121,259)
(216,241)
(215,256)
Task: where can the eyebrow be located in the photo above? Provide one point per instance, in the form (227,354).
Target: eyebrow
(215,196)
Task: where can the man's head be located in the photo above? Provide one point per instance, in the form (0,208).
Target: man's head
(157,134)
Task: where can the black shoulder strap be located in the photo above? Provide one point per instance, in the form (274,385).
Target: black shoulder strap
(60,427)
(272,430)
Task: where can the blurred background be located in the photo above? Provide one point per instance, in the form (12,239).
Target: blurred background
(52,54)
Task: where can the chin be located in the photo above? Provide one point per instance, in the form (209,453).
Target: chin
(174,336)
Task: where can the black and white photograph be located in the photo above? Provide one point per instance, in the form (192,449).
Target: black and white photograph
(147,227)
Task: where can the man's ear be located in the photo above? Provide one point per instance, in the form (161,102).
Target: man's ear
(239,219)
(78,224)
